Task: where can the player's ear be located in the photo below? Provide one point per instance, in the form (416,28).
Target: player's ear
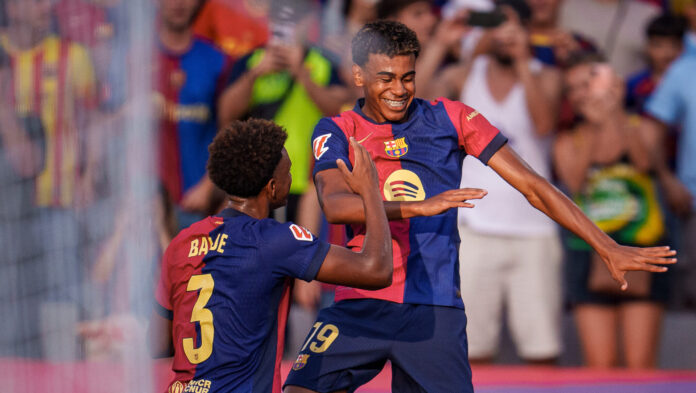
(358,75)
(271,189)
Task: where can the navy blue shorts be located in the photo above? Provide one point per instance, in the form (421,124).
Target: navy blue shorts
(353,339)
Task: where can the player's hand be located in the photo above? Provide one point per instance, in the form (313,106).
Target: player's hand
(621,259)
(449,199)
(363,179)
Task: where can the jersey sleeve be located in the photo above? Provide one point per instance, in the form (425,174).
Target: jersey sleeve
(476,135)
(329,143)
(294,250)
(665,103)
(163,304)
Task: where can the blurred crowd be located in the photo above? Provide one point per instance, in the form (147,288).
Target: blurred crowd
(598,96)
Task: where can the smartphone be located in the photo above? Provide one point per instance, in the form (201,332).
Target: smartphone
(283,24)
(486,19)
(283,33)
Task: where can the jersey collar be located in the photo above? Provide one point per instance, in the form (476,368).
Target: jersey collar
(230,213)
(411,110)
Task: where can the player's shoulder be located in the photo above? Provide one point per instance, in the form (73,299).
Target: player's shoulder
(346,121)
(279,237)
(197,229)
(448,105)
(450,111)
(343,125)
(270,228)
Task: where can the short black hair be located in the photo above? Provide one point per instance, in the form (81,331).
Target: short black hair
(386,37)
(244,155)
(391,8)
(667,25)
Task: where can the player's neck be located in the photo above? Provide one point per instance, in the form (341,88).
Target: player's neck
(252,207)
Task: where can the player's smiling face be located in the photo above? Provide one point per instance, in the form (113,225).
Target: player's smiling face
(388,84)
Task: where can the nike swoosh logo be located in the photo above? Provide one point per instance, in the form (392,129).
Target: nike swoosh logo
(365,138)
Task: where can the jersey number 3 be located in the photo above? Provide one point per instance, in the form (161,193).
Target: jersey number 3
(200,314)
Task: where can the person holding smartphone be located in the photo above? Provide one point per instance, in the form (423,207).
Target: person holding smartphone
(510,258)
(607,165)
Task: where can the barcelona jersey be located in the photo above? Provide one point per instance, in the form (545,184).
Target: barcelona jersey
(54,81)
(225,284)
(415,160)
(188,87)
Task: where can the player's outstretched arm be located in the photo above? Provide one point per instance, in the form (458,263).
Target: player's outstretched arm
(372,267)
(342,206)
(547,198)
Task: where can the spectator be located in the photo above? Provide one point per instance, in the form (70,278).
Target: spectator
(53,92)
(102,27)
(354,14)
(550,43)
(235,26)
(438,38)
(605,163)
(665,35)
(616,26)
(674,104)
(292,84)
(510,255)
(190,80)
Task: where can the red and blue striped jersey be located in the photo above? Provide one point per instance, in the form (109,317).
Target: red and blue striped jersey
(225,284)
(187,89)
(415,160)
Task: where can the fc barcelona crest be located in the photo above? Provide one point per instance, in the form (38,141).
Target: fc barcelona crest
(396,148)
(301,361)
(177,78)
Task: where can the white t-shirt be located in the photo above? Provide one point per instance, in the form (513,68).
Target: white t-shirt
(504,211)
